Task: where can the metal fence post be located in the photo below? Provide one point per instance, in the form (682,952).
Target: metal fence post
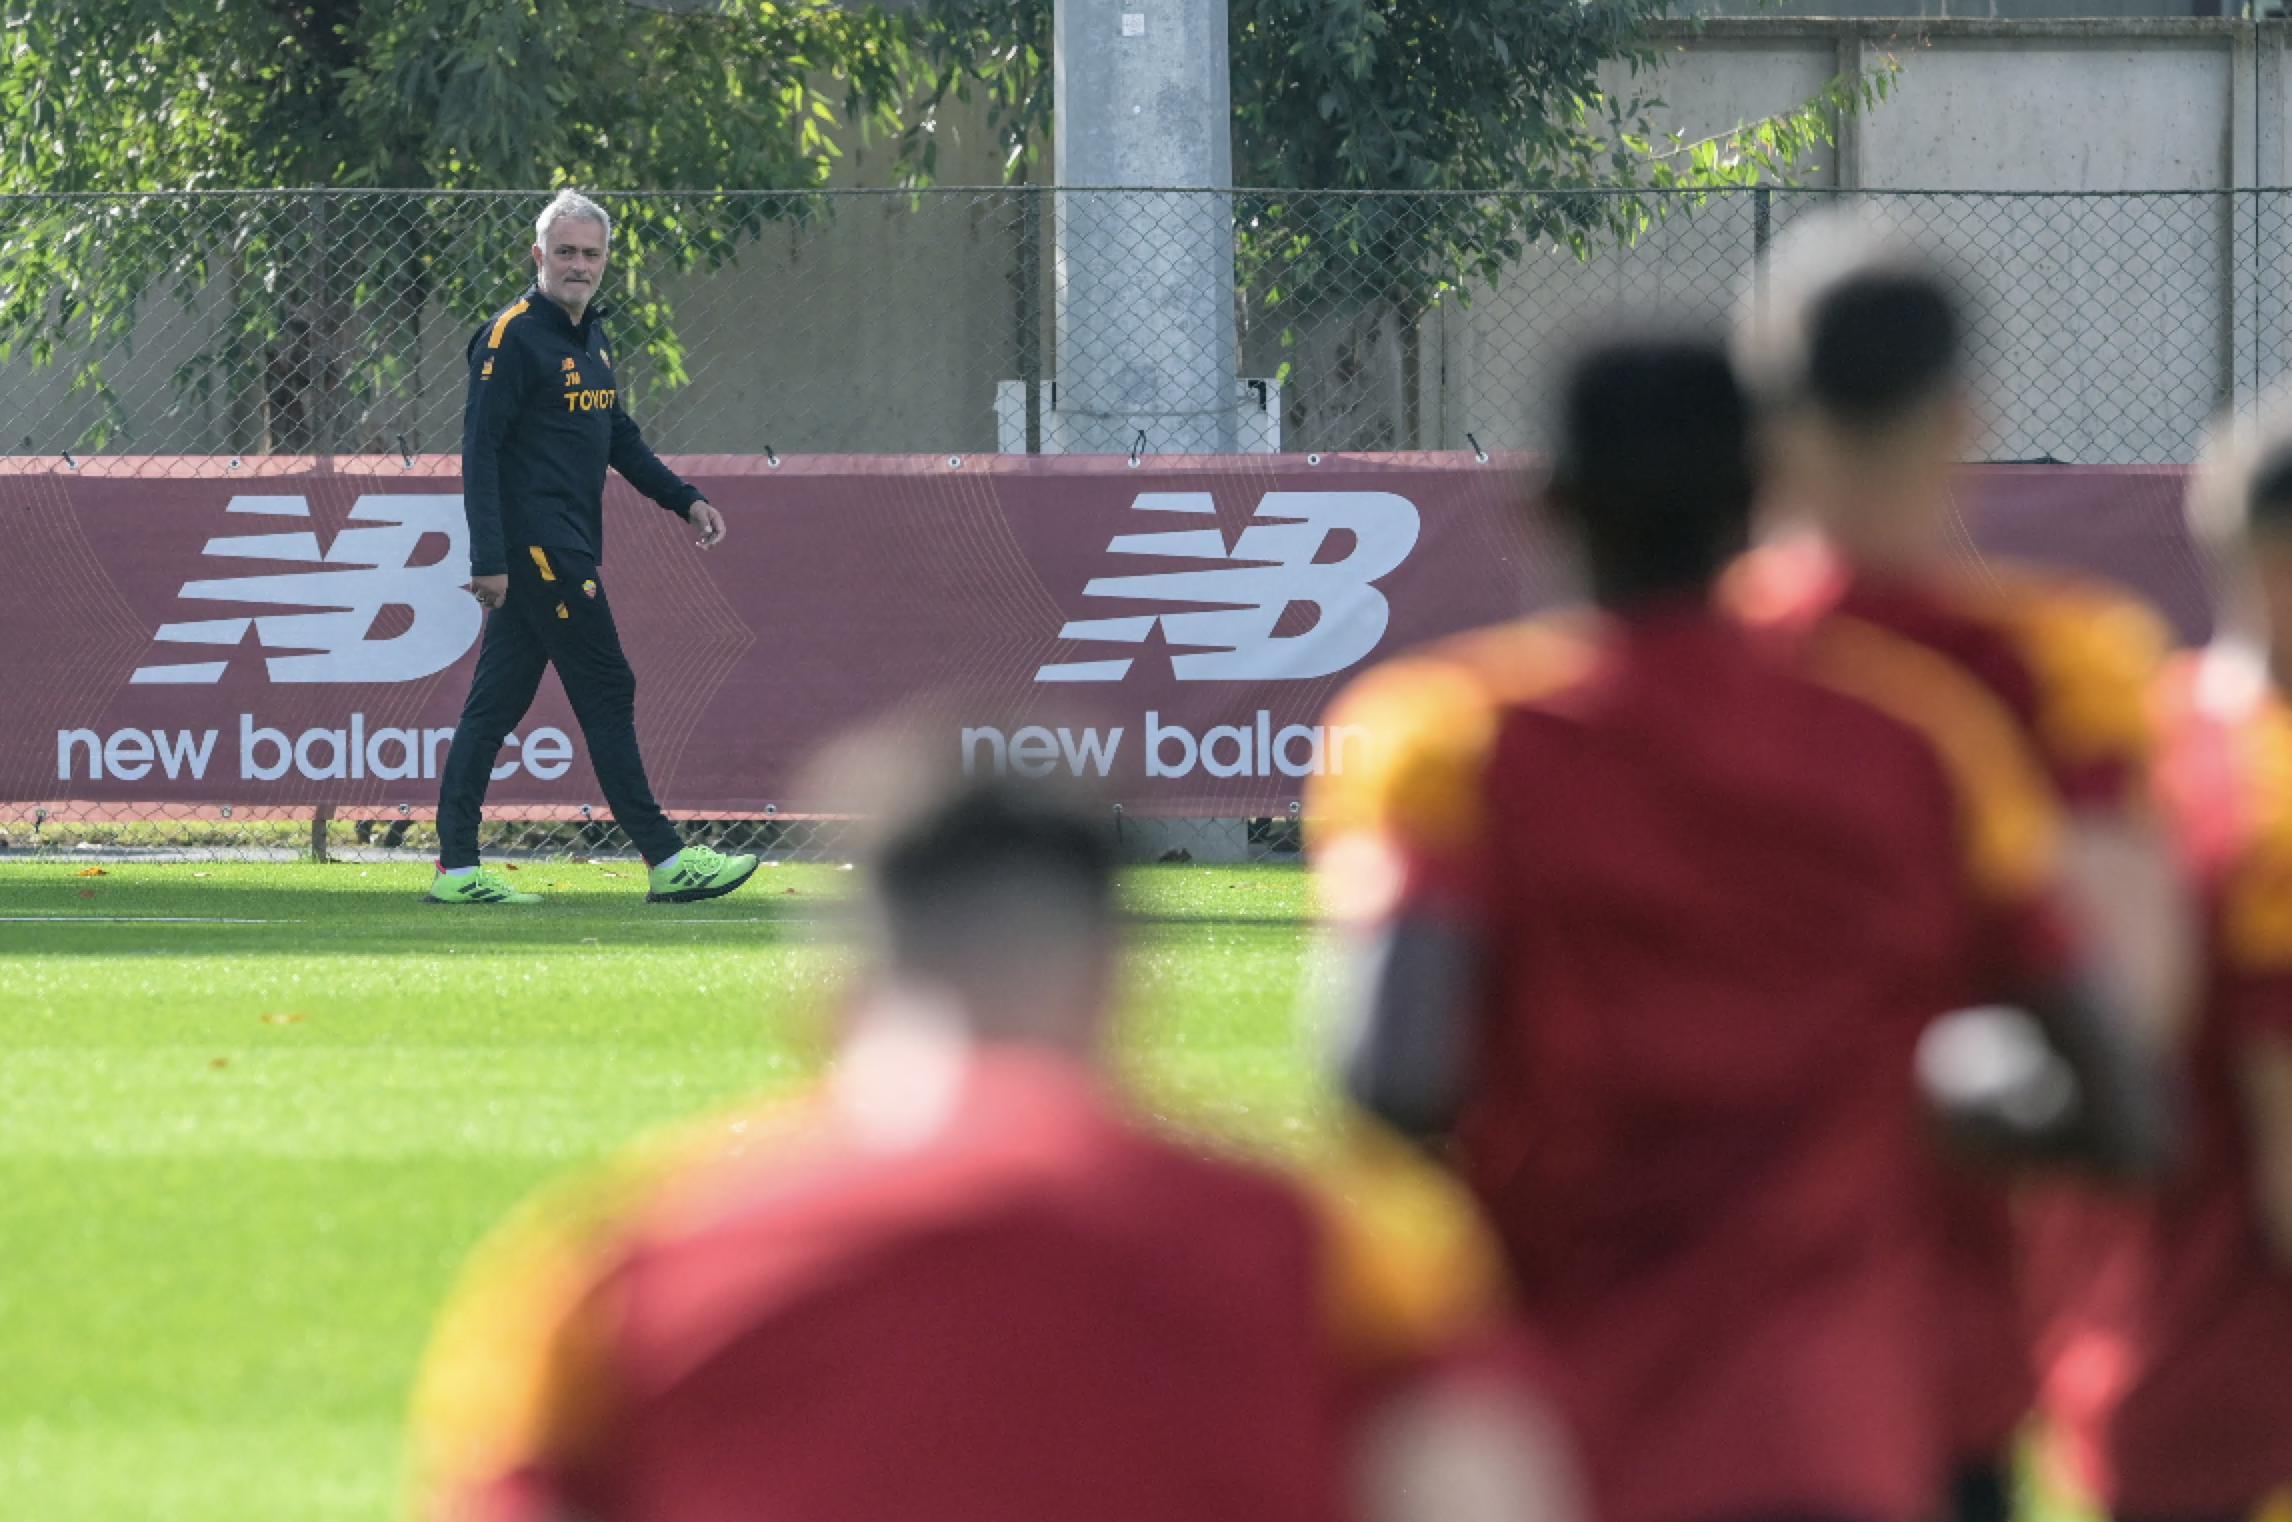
(1762,214)
(1029,314)
(315,399)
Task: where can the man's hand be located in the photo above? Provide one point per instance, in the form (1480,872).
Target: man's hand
(703,515)
(490,591)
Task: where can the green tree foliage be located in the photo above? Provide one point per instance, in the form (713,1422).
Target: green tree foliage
(992,53)
(326,294)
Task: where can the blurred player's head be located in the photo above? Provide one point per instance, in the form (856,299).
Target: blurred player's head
(1651,471)
(989,902)
(1006,898)
(2240,511)
(1854,348)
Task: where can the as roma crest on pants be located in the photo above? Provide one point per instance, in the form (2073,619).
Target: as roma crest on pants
(589,588)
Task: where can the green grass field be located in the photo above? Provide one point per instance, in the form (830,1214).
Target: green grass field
(240,1162)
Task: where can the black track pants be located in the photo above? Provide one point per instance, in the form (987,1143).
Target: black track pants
(552,618)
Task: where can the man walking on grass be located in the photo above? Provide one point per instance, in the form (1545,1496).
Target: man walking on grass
(544,419)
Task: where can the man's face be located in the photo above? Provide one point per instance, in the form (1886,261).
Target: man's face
(571,262)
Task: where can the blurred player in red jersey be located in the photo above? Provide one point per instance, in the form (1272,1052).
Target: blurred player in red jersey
(1654,911)
(963,1287)
(1856,350)
(2171,1375)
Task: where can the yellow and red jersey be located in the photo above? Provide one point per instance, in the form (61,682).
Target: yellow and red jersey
(1722,882)
(2168,1359)
(2070,657)
(2073,661)
(1045,1312)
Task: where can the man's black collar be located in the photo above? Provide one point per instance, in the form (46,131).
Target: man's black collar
(535,301)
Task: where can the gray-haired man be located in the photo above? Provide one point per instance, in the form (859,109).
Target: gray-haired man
(543,421)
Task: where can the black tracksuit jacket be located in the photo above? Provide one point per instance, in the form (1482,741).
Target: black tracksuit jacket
(543,421)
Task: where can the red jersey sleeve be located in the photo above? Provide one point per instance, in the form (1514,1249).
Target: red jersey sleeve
(2007,823)
(519,1369)
(1405,825)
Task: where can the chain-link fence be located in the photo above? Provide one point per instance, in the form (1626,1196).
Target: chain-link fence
(160,832)
(1015,319)
(946,320)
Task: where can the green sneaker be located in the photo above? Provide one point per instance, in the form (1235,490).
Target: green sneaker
(696,873)
(484,886)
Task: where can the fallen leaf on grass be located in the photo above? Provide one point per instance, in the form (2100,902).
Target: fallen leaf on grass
(219,1062)
(284,1019)
(787,890)
(509,866)
(91,872)
(87,893)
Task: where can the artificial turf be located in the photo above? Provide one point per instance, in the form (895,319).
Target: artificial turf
(240,1162)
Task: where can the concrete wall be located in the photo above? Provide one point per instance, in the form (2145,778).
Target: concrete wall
(881,329)
(2113,328)
(1992,105)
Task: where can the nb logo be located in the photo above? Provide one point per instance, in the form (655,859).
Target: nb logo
(1273,563)
(370,569)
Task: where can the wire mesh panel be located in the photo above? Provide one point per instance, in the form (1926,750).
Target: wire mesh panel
(956,322)
(883,322)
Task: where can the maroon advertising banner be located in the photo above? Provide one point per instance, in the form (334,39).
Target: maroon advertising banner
(294,632)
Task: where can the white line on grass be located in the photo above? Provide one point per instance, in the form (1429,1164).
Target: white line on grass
(129,919)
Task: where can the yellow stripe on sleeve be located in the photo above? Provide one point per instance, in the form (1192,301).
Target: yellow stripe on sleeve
(2011,825)
(501,322)
(1409,1265)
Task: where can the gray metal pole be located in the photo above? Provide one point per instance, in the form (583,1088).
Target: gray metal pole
(1145,281)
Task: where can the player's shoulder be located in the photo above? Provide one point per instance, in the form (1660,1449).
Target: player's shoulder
(518,1357)
(2093,651)
(2070,625)
(1397,1256)
(2005,803)
(1430,719)
(1207,1186)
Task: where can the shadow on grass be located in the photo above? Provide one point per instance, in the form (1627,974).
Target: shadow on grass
(305,909)
(324,911)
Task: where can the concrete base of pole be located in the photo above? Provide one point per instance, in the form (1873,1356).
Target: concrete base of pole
(1252,427)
